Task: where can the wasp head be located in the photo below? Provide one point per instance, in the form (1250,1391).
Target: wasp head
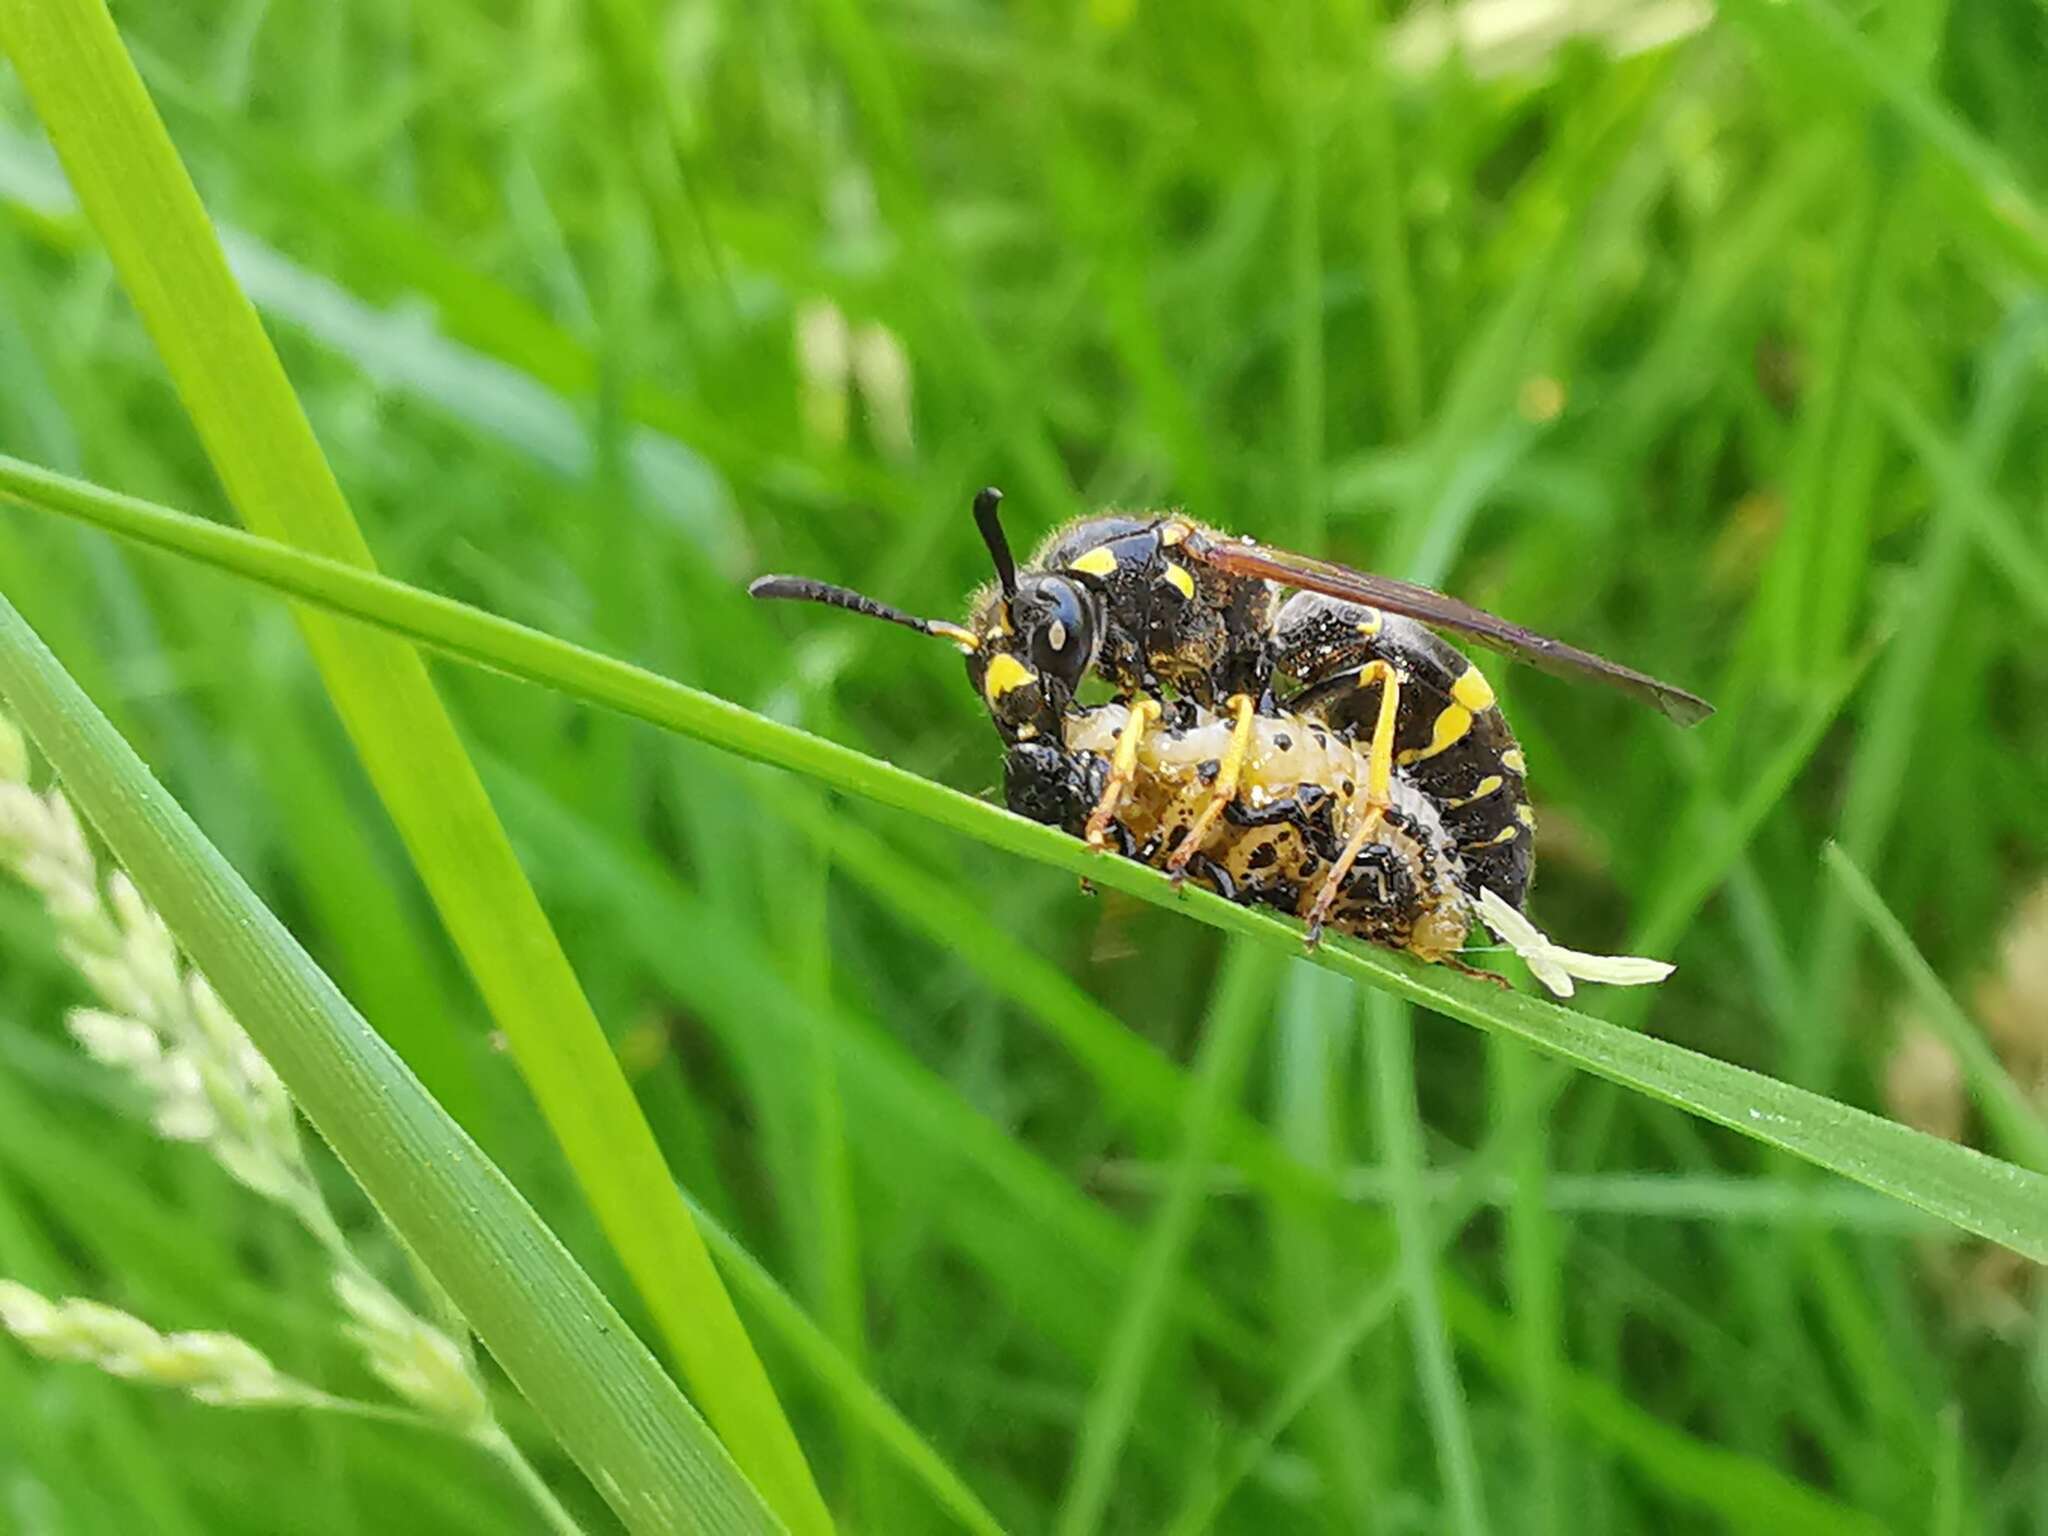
(1030,641)
(1036,643)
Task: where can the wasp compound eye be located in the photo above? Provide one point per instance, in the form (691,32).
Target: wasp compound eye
(1057,622)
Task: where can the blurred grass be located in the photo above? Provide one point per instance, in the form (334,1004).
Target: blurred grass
(127,175)
(603,1394)
(1575,339)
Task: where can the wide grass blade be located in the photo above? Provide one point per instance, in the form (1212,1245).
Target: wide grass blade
(1994,1199)
(604,1396)
(130,181)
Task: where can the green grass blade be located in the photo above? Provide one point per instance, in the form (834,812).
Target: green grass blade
(729,975)
(2010,1113)
(1742,1496)
(1880,779)
(1839,57)
(129,179)
(1745,1493)
(1313,1040)
(1150,1092)
(601,1392)
(1981,1194)
(1331,1354)
(2004,542)
(1536,1241)
(1392,1035)
(1227,1042)
(864,1406)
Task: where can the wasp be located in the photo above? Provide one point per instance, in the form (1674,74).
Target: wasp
(1287,731)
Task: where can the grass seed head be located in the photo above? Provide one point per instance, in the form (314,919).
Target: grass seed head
(158,1022)
(216,1368)
(411,1356)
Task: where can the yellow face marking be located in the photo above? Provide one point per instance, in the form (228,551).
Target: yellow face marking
(1177,577)
(1513,761)
(1099,561)
(1449,730)
(1372,626)
(1526,815)
(1487,786)
(1473,691)
(1005,673)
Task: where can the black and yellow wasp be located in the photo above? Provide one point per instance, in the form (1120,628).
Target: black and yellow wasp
(1285,730)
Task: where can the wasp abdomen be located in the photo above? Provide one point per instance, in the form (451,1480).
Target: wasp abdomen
(1450,737)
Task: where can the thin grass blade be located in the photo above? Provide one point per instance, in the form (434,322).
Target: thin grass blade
(1981,1194)
(2014,1120)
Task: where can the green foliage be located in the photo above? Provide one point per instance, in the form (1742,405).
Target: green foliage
(1724,358)
(1979,1194)
(229,380)
(604,1396)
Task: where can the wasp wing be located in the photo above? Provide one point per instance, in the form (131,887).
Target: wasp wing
(1243,557)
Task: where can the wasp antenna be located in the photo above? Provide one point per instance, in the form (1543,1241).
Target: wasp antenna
(987,517)
(804,590)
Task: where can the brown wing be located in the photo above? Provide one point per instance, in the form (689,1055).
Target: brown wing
(1242,557)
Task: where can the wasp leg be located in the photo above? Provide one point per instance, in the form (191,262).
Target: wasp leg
(1223,792)
(1123,767)
(1452,962)
(1379,796)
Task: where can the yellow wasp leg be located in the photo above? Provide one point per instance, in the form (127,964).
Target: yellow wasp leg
(1123,767)
(1379,792)
(1224,790)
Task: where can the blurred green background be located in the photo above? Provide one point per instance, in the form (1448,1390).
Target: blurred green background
(1712,341)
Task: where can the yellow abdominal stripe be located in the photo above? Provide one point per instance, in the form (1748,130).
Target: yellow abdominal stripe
(1473,691)
(1486,786)
(1005,673)
(1449,729)
(1471,695)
